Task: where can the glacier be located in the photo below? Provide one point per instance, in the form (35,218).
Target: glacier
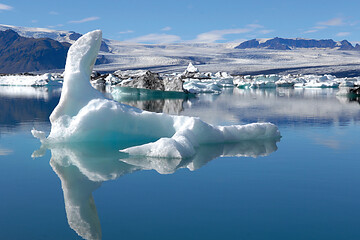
(85,115)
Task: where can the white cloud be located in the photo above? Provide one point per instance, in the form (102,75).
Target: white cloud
(53,13)
(156,38)
(255,26)
(85,20)
(319,27)
(311,31)
(126,32)
(166,28)
(34,21)
(55,26)
(265,31)
(5,7)
(332,22)
(215,35)
(343,34)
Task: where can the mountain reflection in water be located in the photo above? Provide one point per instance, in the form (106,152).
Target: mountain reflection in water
(83,167)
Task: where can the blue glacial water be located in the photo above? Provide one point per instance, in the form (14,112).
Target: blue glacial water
(303,187)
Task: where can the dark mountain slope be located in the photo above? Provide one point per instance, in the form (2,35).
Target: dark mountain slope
(21,54)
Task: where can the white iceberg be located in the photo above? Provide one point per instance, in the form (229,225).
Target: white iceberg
(85,115)
(27,80)
(199,86)
(315,81)
(191,68)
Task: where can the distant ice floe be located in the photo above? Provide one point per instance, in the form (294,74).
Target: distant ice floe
(29,80)
(85,115)
(195,82)
(300,81)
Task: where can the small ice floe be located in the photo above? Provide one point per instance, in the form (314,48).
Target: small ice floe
(223,79)
(191,68)
(298,81)
(200,86)
(259,81)
(85,115)
(197,82)
(315,81)
(28,80)
(285,81)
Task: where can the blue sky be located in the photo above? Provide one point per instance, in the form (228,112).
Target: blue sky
(167,21)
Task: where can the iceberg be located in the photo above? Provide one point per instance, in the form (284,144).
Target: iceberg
(85,115)
(191,68)
(198,86)
(28,80)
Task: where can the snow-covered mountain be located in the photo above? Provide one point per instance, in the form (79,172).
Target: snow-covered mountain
(115,55)
(290,43)
(58,35)
(61,36)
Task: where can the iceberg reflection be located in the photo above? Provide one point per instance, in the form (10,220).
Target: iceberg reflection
(83,167)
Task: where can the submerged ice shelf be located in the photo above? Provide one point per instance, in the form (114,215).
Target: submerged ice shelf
(85,115)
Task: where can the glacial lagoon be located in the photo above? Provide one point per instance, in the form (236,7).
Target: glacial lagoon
(303,186)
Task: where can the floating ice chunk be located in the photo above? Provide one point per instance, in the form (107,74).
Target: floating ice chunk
(222,75)
(315,81)
(347,83)
(85,115)
(191,68)
(200,86)
(26,80)
(112,80)
(194,132)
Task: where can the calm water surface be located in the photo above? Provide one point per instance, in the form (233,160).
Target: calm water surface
(303,187)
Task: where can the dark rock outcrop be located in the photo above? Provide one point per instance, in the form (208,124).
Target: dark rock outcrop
(148,80)
(21,54)
(249,44)
(346,45)
(141,79)
(74,36)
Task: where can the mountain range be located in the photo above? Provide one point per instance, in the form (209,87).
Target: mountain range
(250,57)
(288,44)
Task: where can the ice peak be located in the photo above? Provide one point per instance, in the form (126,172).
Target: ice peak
(77,90)
(82,54)
(191,68)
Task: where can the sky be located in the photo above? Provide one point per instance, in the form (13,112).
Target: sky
(168,21)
